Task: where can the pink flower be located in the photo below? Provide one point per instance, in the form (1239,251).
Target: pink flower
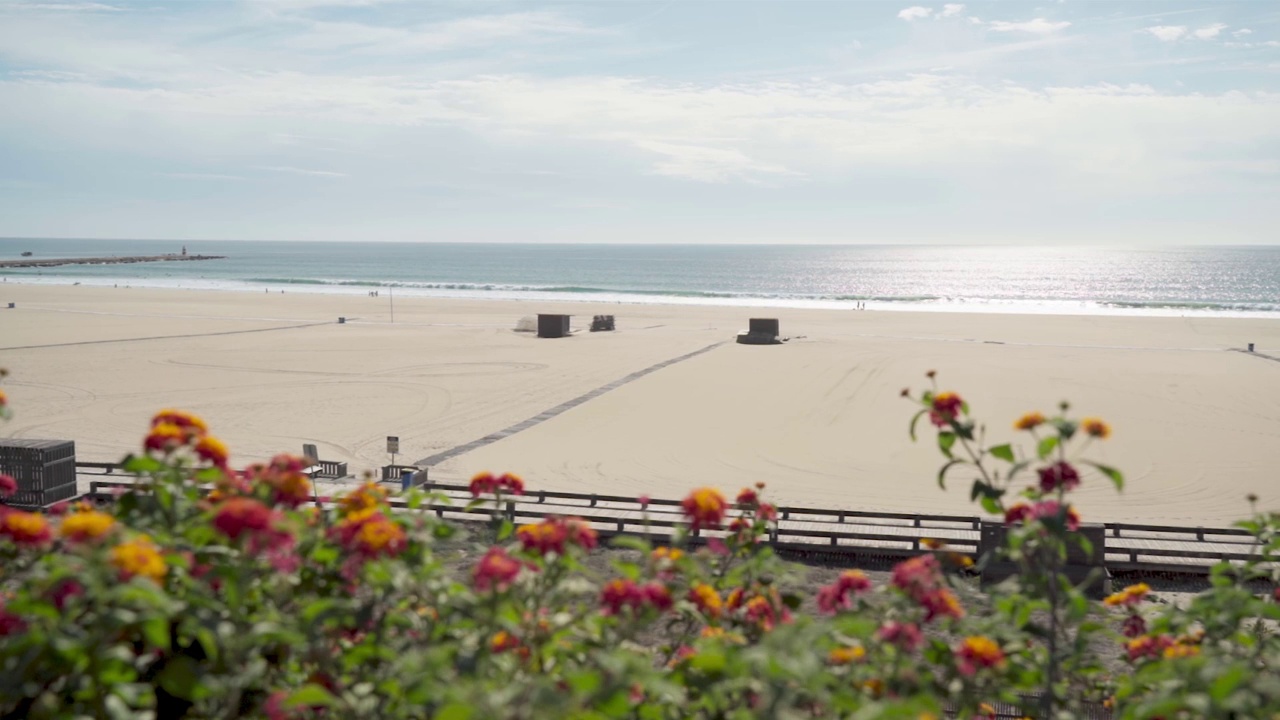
(8,486)
(905,635)
(496,570)
(240,516)
(836,597)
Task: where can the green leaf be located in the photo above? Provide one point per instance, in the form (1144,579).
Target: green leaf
(156,632)
(455,711)
(1114,474)
(915,419)
(942,474)
(946,440)
(140,464)
(317,608)
(1046,446)
(630,543)
(310,696)
(992,505)
(505,531)
(1004,452)
(180,677)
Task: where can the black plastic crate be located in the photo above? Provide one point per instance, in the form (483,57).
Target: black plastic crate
(39,465)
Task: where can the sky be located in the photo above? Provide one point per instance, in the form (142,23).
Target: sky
(1054,122)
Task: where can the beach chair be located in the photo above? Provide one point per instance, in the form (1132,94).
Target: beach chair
(322,469)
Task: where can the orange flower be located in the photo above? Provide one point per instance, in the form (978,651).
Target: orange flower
(486,483)
(139,558)
(932,543)
(182,419)
(1029,421)
(941,603)
(666,553)
(365,498)
(503,641)
(707,599)
(213,450)
(1181,651)
(978,652)
(165,437)
(24,528)
(846,655)
(704,507)
(87,525)
(379,535)
(1131,595)
(946,407)
(1095,427)
(551,534)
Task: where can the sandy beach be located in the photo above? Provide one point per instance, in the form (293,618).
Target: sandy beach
(1197,423)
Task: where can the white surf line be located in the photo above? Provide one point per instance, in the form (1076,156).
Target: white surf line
(976,341)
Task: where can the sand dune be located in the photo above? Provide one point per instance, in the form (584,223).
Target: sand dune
(819,419)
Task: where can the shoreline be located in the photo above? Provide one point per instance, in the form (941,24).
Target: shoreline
(818,419)
(1051,308)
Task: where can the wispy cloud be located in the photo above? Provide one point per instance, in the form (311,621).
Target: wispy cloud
(1168,33)
(915,12)
(951,10)
(302,171)
(1038,26)
(201,176)
(62,7)
(1242,32)
(1209,32)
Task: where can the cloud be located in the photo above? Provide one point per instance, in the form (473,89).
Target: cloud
(302,171)
(951,9)
(1242,32)
(1209,32)
(1168,33)
(1039,26)
(201,176)
(915,13)
(62,7)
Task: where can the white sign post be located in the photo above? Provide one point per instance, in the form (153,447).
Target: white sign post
(393,447)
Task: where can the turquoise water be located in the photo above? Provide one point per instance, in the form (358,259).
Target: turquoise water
(1237,281)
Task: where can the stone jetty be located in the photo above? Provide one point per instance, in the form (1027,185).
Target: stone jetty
(122,260)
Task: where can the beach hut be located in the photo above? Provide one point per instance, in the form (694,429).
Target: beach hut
(760,331)
(552,326)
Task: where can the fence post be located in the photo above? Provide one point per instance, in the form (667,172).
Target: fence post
(1200,534)
(511,511)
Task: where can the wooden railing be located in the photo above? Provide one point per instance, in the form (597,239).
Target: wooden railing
(825,531)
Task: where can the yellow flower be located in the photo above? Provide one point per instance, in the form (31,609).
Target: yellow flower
(846,655)
(1181,651)
(87,525)
(1029,421)
(1095,427)
(139,557)
(667,553)
(1131,595)
(933,544)
(707,599)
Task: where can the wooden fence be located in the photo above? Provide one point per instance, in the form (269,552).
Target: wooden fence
(825,533)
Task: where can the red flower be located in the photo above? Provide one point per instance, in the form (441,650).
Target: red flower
(644,501)
(945,408)
(704,507)
(496,570)
(835,597)
(748,497)
(551,534)
(10,624)
(213,450)
(940,602)
(1058,475)
(1148,646)
(916,576)
(766,512)
(1019,513)
(487,483)
(905,635)
(8,486)
(64,591)
(1133,626)
(275,707)
(238,516)
(624,593)
(1053,510)
(503,641)
(286,476)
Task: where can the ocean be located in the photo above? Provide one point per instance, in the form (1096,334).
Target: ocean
(1218,281)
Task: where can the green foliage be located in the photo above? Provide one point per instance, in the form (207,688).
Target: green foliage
(207,593)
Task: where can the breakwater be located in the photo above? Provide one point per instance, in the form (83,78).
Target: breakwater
(122,260)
